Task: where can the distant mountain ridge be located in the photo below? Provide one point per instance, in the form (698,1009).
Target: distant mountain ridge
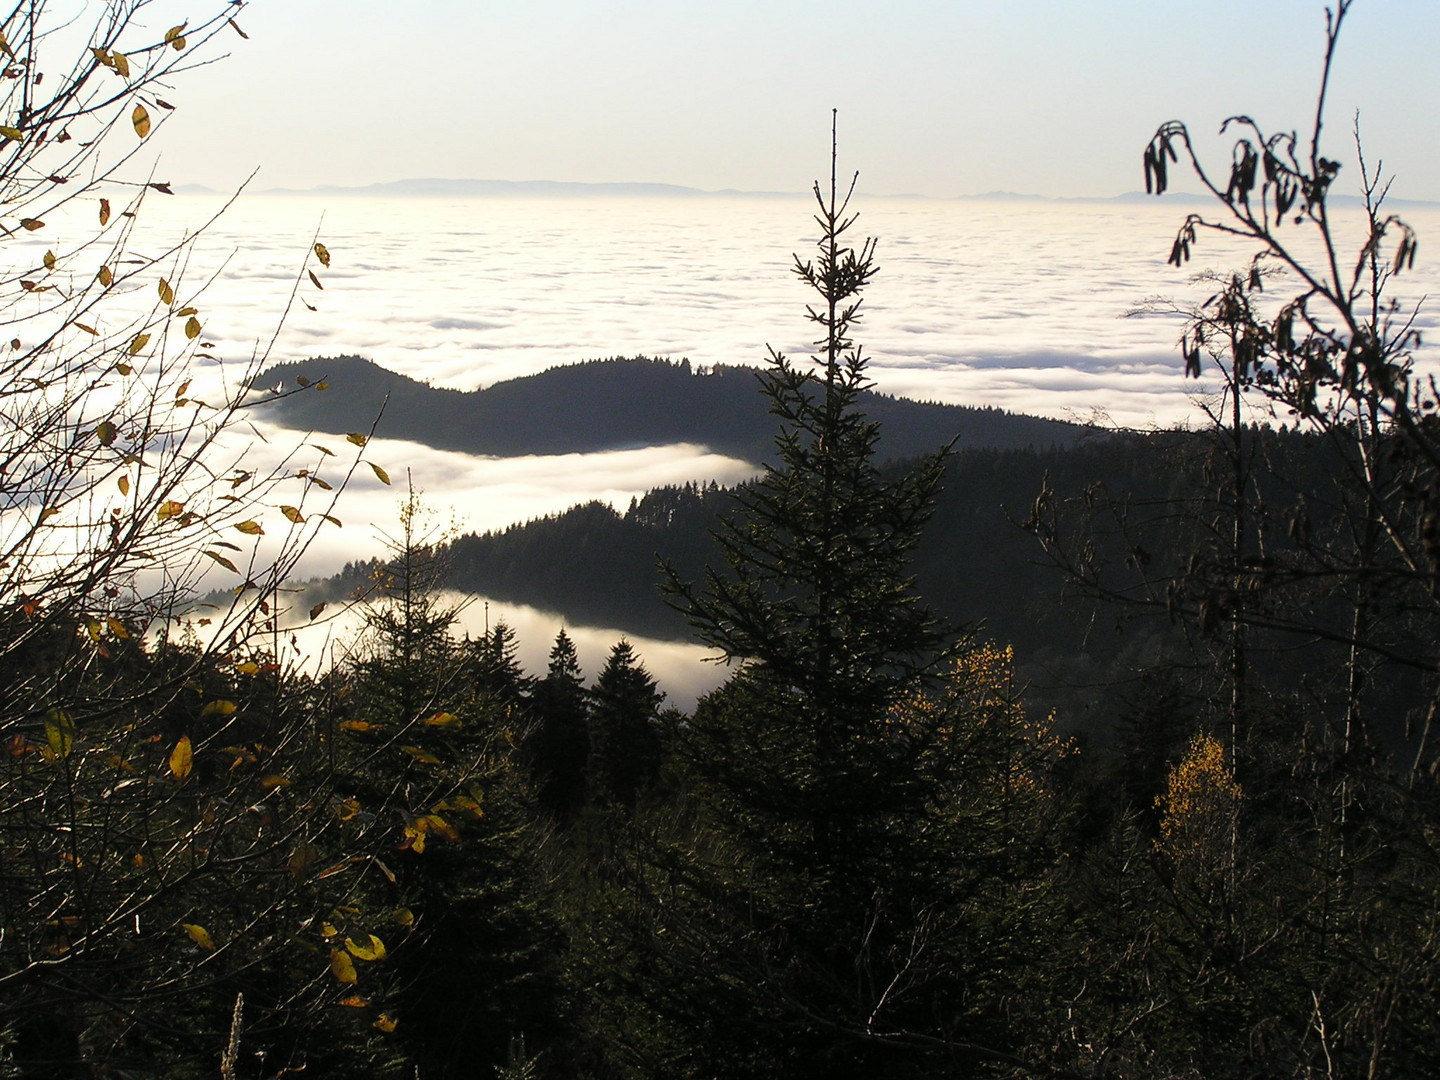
(615,404)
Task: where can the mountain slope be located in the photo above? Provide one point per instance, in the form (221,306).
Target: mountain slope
(610,405)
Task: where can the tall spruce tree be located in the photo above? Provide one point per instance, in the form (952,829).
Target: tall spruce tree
(558,745)
(817,922)
(624,729)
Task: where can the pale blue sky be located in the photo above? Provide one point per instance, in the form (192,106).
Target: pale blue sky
(937,97)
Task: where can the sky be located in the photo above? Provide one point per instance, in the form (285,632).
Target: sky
(936,97)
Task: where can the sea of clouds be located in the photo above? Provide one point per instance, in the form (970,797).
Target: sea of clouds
(1026,305)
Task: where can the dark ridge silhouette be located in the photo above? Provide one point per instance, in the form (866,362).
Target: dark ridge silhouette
(613,404)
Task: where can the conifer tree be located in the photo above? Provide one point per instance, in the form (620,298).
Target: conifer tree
(559,742)
(624,739)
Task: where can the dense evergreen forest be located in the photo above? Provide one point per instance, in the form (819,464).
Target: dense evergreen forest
(1206,844)
(613,404)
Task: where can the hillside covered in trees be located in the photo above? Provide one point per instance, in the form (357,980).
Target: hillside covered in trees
(610,405)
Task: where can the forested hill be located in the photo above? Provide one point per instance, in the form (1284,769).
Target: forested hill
(613,404)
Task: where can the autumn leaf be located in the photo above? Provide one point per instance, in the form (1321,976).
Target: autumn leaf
(355,1001)
(141,119)
(219,708)
(293,514)
(422,756)
(192,328)
(249,667)
(106,278)
(181,758)
(342,967)
(315,280)
(138,342)
(386,1023)
(175,37)
(60,732)
(12,133)
(199,935)
(106,431)
(380,474)
(121,64)
(31,224)
(87,328)
(222,560)
(442,719)
(124,485)
(49,260)
(357,438)
(323,254)
(315,611)
(104,212)
(170,508)
(167,294)
(251,528)
(369,951)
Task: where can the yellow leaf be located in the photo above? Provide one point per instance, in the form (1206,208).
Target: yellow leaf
(386,1023)
(141,119)
(199,935)
(355,1001)
(357,438)
(117,628)
(251,528)
(137,343)
(186,311)
(181,758)
(124,485)
(273,781)
(5,47)
(249,667)
(94,629)
(369,951)
(88,329)
(342,967)
(192,328)
(323,449)
(442,719)
(167,294)
(49,260)
(12,133)
(293,513)
(219,708)
(124,369)
(106,431)
(422,756)
(333,521)
(60,732)
(323,254)
(328,931)
(322,385)
(380,474)
(360,725)
(174,37)
(48,513)
(101,55)
(104,212)
(403,917)
(106,278)
(221,559)
(170,508)
(121,64)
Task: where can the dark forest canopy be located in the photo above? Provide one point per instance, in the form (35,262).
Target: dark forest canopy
(614,404)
